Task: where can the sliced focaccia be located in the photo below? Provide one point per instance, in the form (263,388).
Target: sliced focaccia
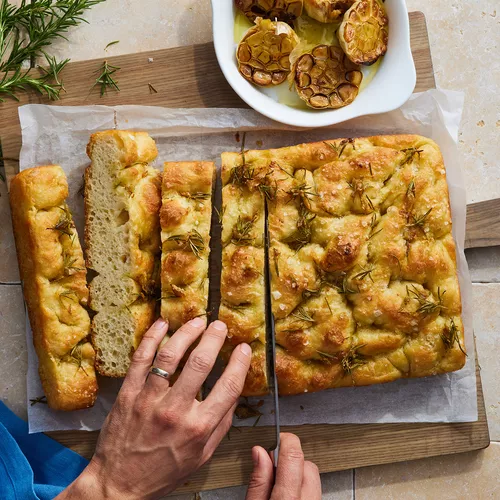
(185,219)
(242,305)
(122,236)
(54,284)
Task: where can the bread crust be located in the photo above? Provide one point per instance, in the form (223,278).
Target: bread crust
(54,284)
(123,293)
(364,274)
(185,220)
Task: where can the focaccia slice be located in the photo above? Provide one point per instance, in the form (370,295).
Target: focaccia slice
(185,219)
(364,275)
(242,305)
(122,235)
(54,284)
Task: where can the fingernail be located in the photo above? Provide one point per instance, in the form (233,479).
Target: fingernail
(219,325)
(197,322)
(255,455)
(162,323)
(246,349)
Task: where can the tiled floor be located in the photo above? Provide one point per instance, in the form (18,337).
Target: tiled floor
(464,37)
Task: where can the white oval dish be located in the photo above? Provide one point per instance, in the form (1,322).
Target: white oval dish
(391,86)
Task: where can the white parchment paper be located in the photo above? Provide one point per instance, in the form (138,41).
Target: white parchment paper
(56,134)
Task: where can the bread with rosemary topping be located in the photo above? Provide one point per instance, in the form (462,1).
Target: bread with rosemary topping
(122,237)
(54,284)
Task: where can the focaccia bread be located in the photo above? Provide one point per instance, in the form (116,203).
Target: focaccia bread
(364,275)
(242,305)
(122,237)
(54,284)
(185,219)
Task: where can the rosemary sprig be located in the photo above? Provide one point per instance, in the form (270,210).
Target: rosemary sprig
(193,241)
(450,336)
(267,189)
(302,191)
(25,32)
(76,357)
(410,190)
(301,314)
(419,221)
(426,306)
(302,235)
(106,80)
(242,231)
(363,274)
(64,224)
(68,264)
(339,148)
(220,213)
(39,399)
(409,154)
(352,359)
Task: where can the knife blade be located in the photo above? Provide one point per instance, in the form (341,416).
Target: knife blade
(270,337)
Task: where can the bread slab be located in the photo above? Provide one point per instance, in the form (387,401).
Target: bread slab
(54,284)
(122,237)
(242,305)
(185,220)
(364,275)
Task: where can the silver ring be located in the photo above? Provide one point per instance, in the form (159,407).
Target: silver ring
(158,371)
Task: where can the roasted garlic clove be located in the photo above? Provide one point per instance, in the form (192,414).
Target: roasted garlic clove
(326,11)
(264,52)
(364,32)
(282,10)
(325,78)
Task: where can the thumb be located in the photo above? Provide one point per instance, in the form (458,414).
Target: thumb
(261,480)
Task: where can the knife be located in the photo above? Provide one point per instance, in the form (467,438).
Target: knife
(270,337)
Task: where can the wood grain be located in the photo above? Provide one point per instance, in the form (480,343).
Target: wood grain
(483,224)
(201,84)
(331,447)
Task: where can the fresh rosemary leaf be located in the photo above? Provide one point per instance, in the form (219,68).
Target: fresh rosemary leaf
(352,359)
(450,336)
(419,221)
(111,43)
(26,31)
(303,315)
(192,241)
(106,79)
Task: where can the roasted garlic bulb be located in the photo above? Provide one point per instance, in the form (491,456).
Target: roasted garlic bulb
(326,11)
(282,10)
(264,52)
(364,32)
(325,78)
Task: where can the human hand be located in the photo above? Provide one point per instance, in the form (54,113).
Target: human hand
(296,478)
(157,435)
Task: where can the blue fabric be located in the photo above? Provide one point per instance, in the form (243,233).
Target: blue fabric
(33,466)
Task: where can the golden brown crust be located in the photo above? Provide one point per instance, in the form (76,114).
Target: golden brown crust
(364,275)
(242,282)
(185,219)
(54,284)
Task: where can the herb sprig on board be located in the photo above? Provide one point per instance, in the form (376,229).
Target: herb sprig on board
(26,31)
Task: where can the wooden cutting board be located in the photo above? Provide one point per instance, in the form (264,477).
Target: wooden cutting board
(190,77)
